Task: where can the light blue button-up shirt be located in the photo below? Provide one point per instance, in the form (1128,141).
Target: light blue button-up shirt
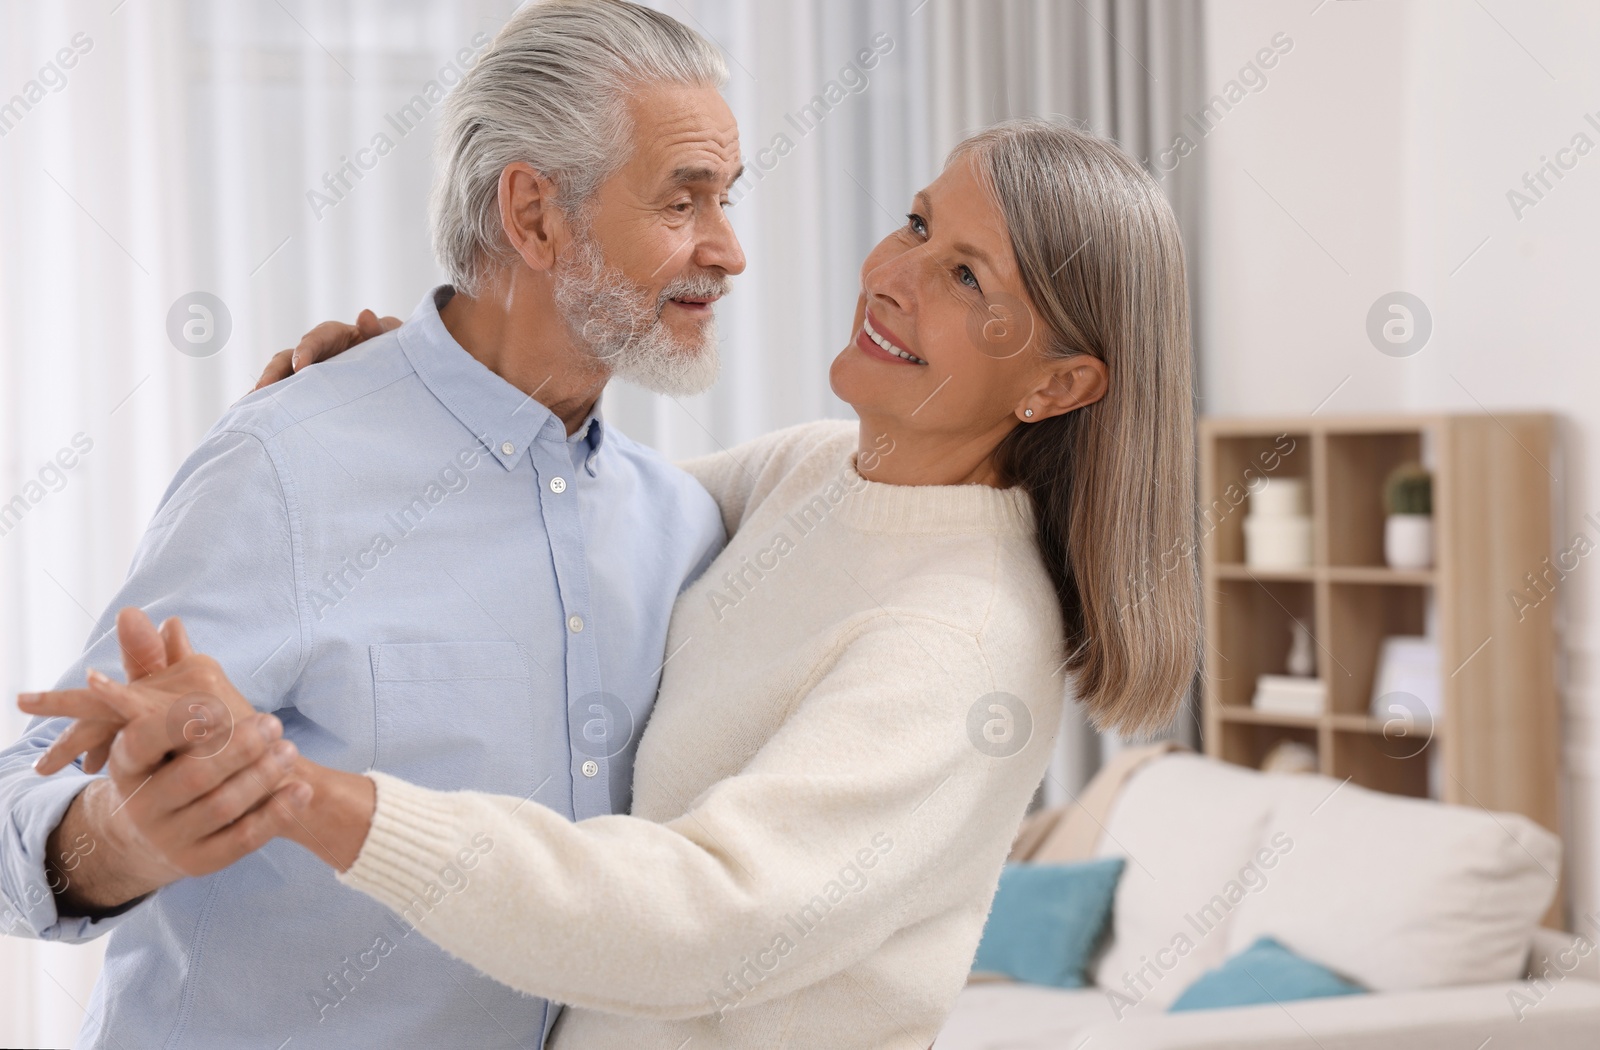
(419,571)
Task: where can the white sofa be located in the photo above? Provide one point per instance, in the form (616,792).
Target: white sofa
(1434,908)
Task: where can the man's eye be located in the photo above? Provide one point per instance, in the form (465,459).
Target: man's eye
(917,225)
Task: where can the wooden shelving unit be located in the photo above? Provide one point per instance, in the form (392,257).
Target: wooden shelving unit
(1497,745)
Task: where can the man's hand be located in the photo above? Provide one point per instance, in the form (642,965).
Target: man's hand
(197,778)
(328,339)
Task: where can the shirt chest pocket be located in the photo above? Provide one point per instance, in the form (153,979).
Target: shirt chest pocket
(456,716)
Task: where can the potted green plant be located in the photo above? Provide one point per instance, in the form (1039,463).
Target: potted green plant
(1408,530)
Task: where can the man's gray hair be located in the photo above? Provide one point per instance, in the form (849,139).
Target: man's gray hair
(551,92)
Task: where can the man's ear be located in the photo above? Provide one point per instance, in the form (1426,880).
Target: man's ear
(534,226)
(1069,383)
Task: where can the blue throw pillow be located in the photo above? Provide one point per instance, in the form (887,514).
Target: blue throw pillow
(1265,972)
(1046,921)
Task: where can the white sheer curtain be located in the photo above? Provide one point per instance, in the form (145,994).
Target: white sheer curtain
(163,147)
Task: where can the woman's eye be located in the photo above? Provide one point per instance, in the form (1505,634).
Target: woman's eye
(917,225)
(967,277)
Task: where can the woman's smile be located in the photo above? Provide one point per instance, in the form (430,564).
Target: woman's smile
(875,343)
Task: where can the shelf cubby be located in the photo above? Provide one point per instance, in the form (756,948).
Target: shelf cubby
(1255,624)
(1247,743)
(1247,461)
(1358,465)
(1396,762)
(1361,616)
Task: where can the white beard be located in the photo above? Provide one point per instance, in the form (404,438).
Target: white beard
(618,323)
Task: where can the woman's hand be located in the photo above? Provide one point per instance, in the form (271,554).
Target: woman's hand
(328,339)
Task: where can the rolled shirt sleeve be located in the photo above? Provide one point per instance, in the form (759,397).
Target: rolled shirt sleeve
(220,552)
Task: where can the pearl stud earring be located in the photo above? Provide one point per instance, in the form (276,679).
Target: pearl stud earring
(1028,412)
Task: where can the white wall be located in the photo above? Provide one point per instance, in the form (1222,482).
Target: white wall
(1378,158)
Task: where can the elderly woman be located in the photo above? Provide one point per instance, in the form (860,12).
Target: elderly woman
(864,686)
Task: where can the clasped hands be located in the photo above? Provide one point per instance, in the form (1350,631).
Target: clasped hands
(196,777)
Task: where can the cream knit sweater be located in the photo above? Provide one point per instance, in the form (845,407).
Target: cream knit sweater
(823,797)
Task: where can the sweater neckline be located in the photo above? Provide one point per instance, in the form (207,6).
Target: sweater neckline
(872,506)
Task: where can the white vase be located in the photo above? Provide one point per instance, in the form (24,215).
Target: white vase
(1408,541)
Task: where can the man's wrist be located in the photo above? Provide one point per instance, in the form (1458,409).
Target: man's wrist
(91,865)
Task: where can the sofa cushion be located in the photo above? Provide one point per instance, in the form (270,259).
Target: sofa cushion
(1399,893)
(1189,828)
(1046,921)
(1265,972)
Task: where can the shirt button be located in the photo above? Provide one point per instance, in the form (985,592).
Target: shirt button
(509,449)
(558,485)
(590,768)
(574,624)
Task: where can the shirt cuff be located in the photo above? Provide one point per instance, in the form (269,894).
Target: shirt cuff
(29,905)
(412,840)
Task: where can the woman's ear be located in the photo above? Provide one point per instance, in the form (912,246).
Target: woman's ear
(535,228)
(1069,383)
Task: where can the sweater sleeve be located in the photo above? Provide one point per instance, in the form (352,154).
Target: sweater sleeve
(740,477)
(874,806)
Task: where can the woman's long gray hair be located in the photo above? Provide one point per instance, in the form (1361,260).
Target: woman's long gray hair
(1113,483)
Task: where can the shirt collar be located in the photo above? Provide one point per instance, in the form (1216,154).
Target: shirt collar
(504,419)
(592,434)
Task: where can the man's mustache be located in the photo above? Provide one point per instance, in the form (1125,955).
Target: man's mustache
(705,285)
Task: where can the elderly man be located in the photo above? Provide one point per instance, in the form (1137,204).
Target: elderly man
(441,506)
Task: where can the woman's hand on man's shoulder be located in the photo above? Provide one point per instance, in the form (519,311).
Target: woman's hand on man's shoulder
(328,339)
